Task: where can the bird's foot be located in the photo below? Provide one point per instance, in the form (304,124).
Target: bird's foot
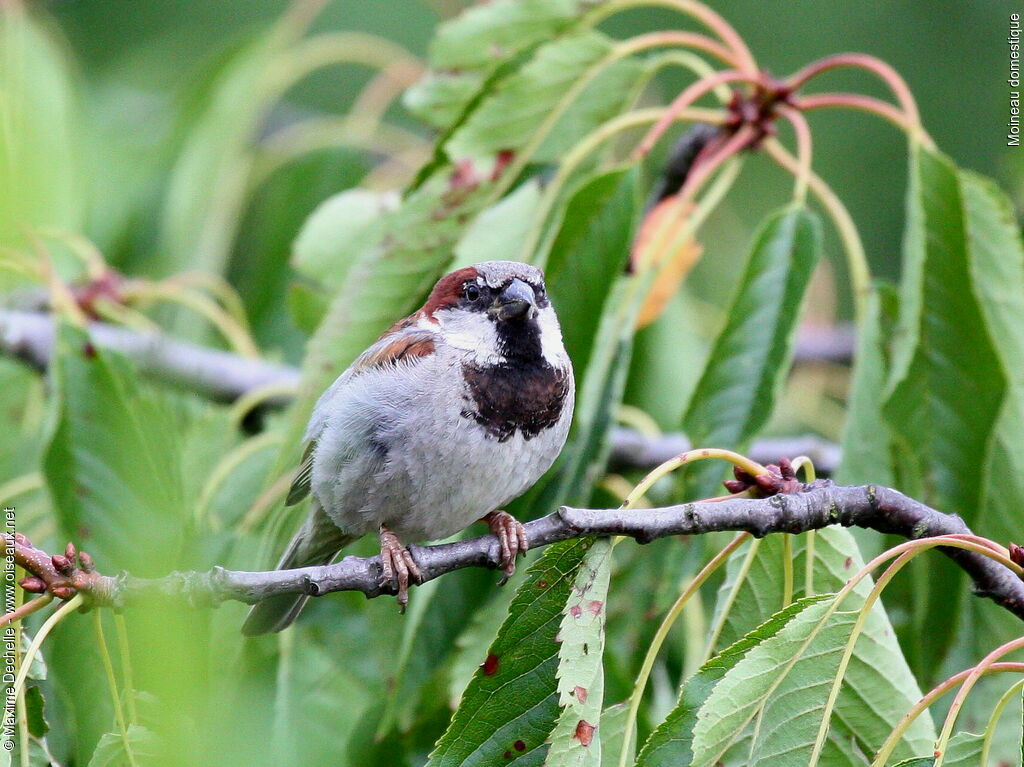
(512,536)
(398,565)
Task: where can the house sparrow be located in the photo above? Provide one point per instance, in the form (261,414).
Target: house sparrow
(455,411)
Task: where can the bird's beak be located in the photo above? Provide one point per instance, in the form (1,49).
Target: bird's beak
(514,301)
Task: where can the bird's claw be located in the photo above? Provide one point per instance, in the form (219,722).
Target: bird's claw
(398,568)
(512,539)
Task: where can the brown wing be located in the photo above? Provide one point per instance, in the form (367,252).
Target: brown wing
(400,343)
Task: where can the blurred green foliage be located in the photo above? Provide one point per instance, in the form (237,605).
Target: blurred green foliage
(268,145)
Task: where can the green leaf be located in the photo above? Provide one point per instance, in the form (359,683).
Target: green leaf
(512,702)
(485,33)
(320,703)
(439,98)
(39,156)
(402,254)
(866,439)
(508,118)
(585,456)
(307,306)
(576,739)
(111,751)
(997,266)
(35,712)
(397,705)
(274,211)
(750,358)
(879,687)
(588,254)
(323,250)
(114,470)
(37,671)
(112,466)
(671,743)
(786,727)
(38,754)
(944,355)
(801,647)
(471,646)
(602,364)
(964,750)
(208,182)
(500,230)
(468,49)
(613,732)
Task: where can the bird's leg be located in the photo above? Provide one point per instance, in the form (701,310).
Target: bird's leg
(512,536)
(397,564)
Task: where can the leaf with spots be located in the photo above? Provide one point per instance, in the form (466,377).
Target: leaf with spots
(576,739)
(511,703)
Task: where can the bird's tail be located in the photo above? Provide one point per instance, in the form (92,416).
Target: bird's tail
(317,543)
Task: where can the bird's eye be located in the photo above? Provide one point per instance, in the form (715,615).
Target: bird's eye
(472,292)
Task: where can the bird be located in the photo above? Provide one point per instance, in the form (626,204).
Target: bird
(452,413)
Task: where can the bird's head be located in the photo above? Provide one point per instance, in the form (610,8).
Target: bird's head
(497,310)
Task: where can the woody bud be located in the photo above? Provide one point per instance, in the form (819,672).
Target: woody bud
(86,563)
(1016,554)
(62,564)
(32,585)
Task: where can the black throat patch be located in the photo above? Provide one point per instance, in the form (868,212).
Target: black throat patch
(527,396)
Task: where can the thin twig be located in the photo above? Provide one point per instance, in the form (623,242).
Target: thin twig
(29,336)
(818,505)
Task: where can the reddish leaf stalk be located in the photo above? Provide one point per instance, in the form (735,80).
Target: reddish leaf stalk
(934,694)
(681,40)
(853,101)
(685,99)
(33,605)
(965,688)
(862,61)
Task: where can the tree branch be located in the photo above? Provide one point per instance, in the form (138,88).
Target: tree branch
(818,505)
(222,376)
(29,336)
